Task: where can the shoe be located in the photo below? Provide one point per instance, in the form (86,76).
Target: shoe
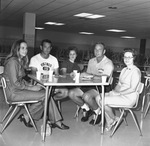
(109,127)
(62,127)
(22,119)
(87,115)
(97,120)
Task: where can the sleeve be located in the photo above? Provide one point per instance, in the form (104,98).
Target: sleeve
(64,64)
(89,67)
(78,68)
(135,79)
(56,66)
(33,63)
(14,71)
(108,69)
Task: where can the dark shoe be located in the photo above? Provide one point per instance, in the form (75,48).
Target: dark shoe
(22,119)
(87,115)
(62,127)
(97,120)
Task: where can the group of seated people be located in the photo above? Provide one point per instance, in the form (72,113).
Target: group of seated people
(87,98)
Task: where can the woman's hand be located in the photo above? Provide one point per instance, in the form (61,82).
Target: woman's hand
(72,74)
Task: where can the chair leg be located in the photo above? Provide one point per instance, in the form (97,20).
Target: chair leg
(6,124)
(135,120)
(97,116)
(8,112)
(77,112)
(30,117)
(147,109)
(143,102)
(120,118)
(59,105)
(124,118)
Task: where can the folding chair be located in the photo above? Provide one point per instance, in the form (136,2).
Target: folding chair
(13,105)
(148,105)
(130,109)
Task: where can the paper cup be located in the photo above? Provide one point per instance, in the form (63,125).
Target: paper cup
(38,75)
(77,77)
(104,78)
(50,76)
(75,72)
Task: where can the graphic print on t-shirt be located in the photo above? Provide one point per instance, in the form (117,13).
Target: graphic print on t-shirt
(45,66)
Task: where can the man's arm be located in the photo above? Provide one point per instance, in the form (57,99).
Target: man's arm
(33,70)
(56,72)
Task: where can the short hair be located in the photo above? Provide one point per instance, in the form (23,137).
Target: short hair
(72,48)
(100,43)
(45,41)
(130,50)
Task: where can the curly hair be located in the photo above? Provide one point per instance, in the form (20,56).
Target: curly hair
(130,50)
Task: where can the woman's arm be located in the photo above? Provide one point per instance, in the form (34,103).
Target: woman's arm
(15,74)
(64,71)
(135,80)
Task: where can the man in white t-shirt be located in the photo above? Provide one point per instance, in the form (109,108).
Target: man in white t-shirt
(43,62)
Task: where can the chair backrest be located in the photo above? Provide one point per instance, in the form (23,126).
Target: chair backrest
(3,81)
(111,80)
(1,69)
(139,90)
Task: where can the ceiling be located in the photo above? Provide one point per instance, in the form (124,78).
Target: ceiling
(130,15)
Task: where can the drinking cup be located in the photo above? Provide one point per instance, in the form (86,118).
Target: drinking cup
(50,75)
(38,75)
(104,78)
(77,77)
(74,72)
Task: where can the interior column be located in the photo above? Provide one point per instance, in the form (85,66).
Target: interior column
(29,32)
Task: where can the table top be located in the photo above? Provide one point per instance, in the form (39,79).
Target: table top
(68,81)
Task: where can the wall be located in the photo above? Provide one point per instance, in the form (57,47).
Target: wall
(116,44)
(63,40)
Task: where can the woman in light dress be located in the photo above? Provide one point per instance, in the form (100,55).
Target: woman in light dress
(125,92)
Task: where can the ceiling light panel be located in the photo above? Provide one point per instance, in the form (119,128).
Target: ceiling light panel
(54,23)
(40,28)
(116,30)
(83,15)
(127,37)
(89,15)
(50,23)
(86,33)
(95,16)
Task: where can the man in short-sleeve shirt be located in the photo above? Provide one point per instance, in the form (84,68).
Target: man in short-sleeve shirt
(44,62)
(85,96)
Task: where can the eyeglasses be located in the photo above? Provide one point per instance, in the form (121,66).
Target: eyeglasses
(127,57)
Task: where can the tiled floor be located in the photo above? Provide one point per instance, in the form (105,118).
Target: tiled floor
(79,134)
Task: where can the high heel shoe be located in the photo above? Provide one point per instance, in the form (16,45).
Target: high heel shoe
(22,119)
(62,127)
